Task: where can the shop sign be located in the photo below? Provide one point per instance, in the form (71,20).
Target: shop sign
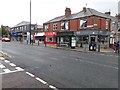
(14,33)
(65,33)
(50,33)
(73,42)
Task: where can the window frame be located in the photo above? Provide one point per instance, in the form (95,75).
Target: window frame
(55,26)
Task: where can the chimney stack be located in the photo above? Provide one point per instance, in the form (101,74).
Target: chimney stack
(67,11)
(107,13)
(84,9)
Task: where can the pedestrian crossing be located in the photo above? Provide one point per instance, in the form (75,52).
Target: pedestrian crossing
(8,67)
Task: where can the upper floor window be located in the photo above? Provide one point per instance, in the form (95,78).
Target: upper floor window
(32,27)
(106,23)
(25,27)
(55,26)
(83,23)
(46,27)
(65,25)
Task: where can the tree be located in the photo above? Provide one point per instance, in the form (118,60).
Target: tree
(4,32)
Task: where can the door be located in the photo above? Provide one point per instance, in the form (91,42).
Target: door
(92,43)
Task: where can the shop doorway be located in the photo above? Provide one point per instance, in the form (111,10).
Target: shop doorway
(92,43)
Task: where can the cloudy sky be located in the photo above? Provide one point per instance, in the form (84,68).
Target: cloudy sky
(14,11)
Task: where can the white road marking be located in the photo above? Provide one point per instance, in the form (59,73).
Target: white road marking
(2,66)
(7,61)
(1,58)
(19,69)
(12,64)
(6,70)
(99,64)
(10,72)
(30,74)
(42,81)
(50,86)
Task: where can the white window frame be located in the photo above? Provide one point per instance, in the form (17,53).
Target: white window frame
(83,21)
(107,23)
(54,26)
(65,25)
(46,27)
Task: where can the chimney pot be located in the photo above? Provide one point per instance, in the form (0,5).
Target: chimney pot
(67,11)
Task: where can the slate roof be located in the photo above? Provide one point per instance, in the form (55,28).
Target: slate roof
(88,12)
(22,23)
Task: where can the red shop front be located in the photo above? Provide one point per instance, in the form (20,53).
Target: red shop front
(50,38)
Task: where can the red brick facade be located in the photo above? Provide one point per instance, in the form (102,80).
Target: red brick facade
(99,23)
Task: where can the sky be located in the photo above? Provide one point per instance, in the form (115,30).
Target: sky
(13,12)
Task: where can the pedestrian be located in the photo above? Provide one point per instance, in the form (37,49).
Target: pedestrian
(117,47)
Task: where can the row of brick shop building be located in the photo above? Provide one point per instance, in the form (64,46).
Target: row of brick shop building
(79,29)
(85,28)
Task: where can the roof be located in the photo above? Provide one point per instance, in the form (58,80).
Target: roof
(22,23)
(39,26)
(88,12)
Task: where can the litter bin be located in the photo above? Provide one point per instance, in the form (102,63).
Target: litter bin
(92,47)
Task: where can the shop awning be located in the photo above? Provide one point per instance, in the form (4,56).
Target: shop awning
(39,34)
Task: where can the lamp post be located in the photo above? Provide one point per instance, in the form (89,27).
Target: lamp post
(30,21)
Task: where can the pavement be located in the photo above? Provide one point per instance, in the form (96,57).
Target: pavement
(102,50)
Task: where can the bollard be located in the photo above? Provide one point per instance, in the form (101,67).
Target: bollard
(45,44)
(38,43)
(99,48)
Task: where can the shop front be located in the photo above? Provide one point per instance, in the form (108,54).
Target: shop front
(66,39)
(50,37)
(39,37)
(92,39)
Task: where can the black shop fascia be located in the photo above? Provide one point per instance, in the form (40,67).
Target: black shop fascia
(66,39)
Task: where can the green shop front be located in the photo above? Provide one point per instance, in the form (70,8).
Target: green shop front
(66,39)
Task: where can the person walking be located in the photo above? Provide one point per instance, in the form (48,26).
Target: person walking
(115,44)
(117,47)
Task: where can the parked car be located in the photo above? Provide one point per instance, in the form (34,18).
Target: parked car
(5,39)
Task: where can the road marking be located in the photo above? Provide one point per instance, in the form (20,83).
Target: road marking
(30,74)
(50,86)
(42,81)
(2,66)
(6,70)
(10,72)
(1,58)
(12,64)
(7,61)
(99,64)
(19,69)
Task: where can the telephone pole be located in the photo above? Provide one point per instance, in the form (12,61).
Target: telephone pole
(30,21)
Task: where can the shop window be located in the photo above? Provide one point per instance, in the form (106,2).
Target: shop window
(46,27)
(54,26)
(83,23)
(65,25)
(50,39)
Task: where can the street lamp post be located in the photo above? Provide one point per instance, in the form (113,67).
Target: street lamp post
(30,21)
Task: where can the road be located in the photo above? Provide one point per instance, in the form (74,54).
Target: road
(64,68)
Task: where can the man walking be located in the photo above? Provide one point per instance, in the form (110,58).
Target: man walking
(117,47)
